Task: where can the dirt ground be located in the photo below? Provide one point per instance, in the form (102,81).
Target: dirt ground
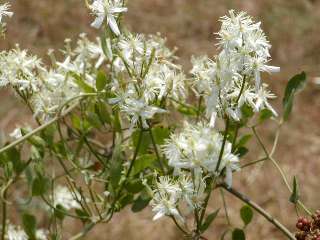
(293,30)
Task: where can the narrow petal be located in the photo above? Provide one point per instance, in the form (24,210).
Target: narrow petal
(113,24)
(159,214)
(98,22)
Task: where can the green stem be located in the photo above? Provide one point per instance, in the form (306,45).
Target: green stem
(4,215)
(84,232)
(223,143)
(225,207)
(199,108)
(254,162)
(281,171)
(156,150)
(178,225)
(260,210)
(135,154)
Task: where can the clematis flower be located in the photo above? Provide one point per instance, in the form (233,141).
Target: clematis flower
(107,10)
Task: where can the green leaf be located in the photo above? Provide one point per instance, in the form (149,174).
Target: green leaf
(294,85)
(94,120)
(160,134)
(145,142)
(117,122)
(209,220)
(29,224)
(238,234)
(101,81)
(243,140)
(102,111)
(106,46)
(265,114)
(126,200)
(294,198)
(189,111)
(76,121)
(134,186)
(142,162)
(82,84)
(13,156)
(82,214)
(140,203)
(116,166)
(40,185)
(247,111)
(59,212)
(241,151)
(246,214)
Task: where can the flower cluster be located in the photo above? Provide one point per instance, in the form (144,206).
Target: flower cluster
(144,75)
(200,148)
(48,89)
(64,197)
(107,10)
(170,193)
(4,12)
(233,77)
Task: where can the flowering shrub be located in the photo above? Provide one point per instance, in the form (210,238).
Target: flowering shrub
(120,123)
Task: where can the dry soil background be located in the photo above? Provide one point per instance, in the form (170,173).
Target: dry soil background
(293,29)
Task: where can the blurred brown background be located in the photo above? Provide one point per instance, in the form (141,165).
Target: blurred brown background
(293,29)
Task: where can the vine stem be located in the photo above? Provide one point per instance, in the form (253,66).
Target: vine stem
(278,167)
(4,215)
(84,232)
(156,149)
(45,125)
(260,210)
(206,201)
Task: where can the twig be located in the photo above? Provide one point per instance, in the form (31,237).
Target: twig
(260,210)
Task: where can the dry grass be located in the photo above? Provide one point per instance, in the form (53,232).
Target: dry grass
(293,30)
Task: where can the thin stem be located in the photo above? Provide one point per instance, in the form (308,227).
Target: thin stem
(178,225)
(225,207)
(84,232)
(45,125)
(199,108)
(223,143)
(281,171)
(4,215)
(206,201)
(156,149)
(254,162)
(135,154)
(260,210)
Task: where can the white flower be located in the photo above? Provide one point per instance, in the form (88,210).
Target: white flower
(257,65)
(198,147)
(165,199)
(4,11)
(16,133)
(139,109)
(62,196)
(17,233)
(19,69)
(260,100)
(107,10)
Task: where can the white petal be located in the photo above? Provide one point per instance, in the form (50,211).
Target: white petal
(113,24)
(98,21)
(118,10)
(213,119)
(228,178)
(158,215)
(271,69)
